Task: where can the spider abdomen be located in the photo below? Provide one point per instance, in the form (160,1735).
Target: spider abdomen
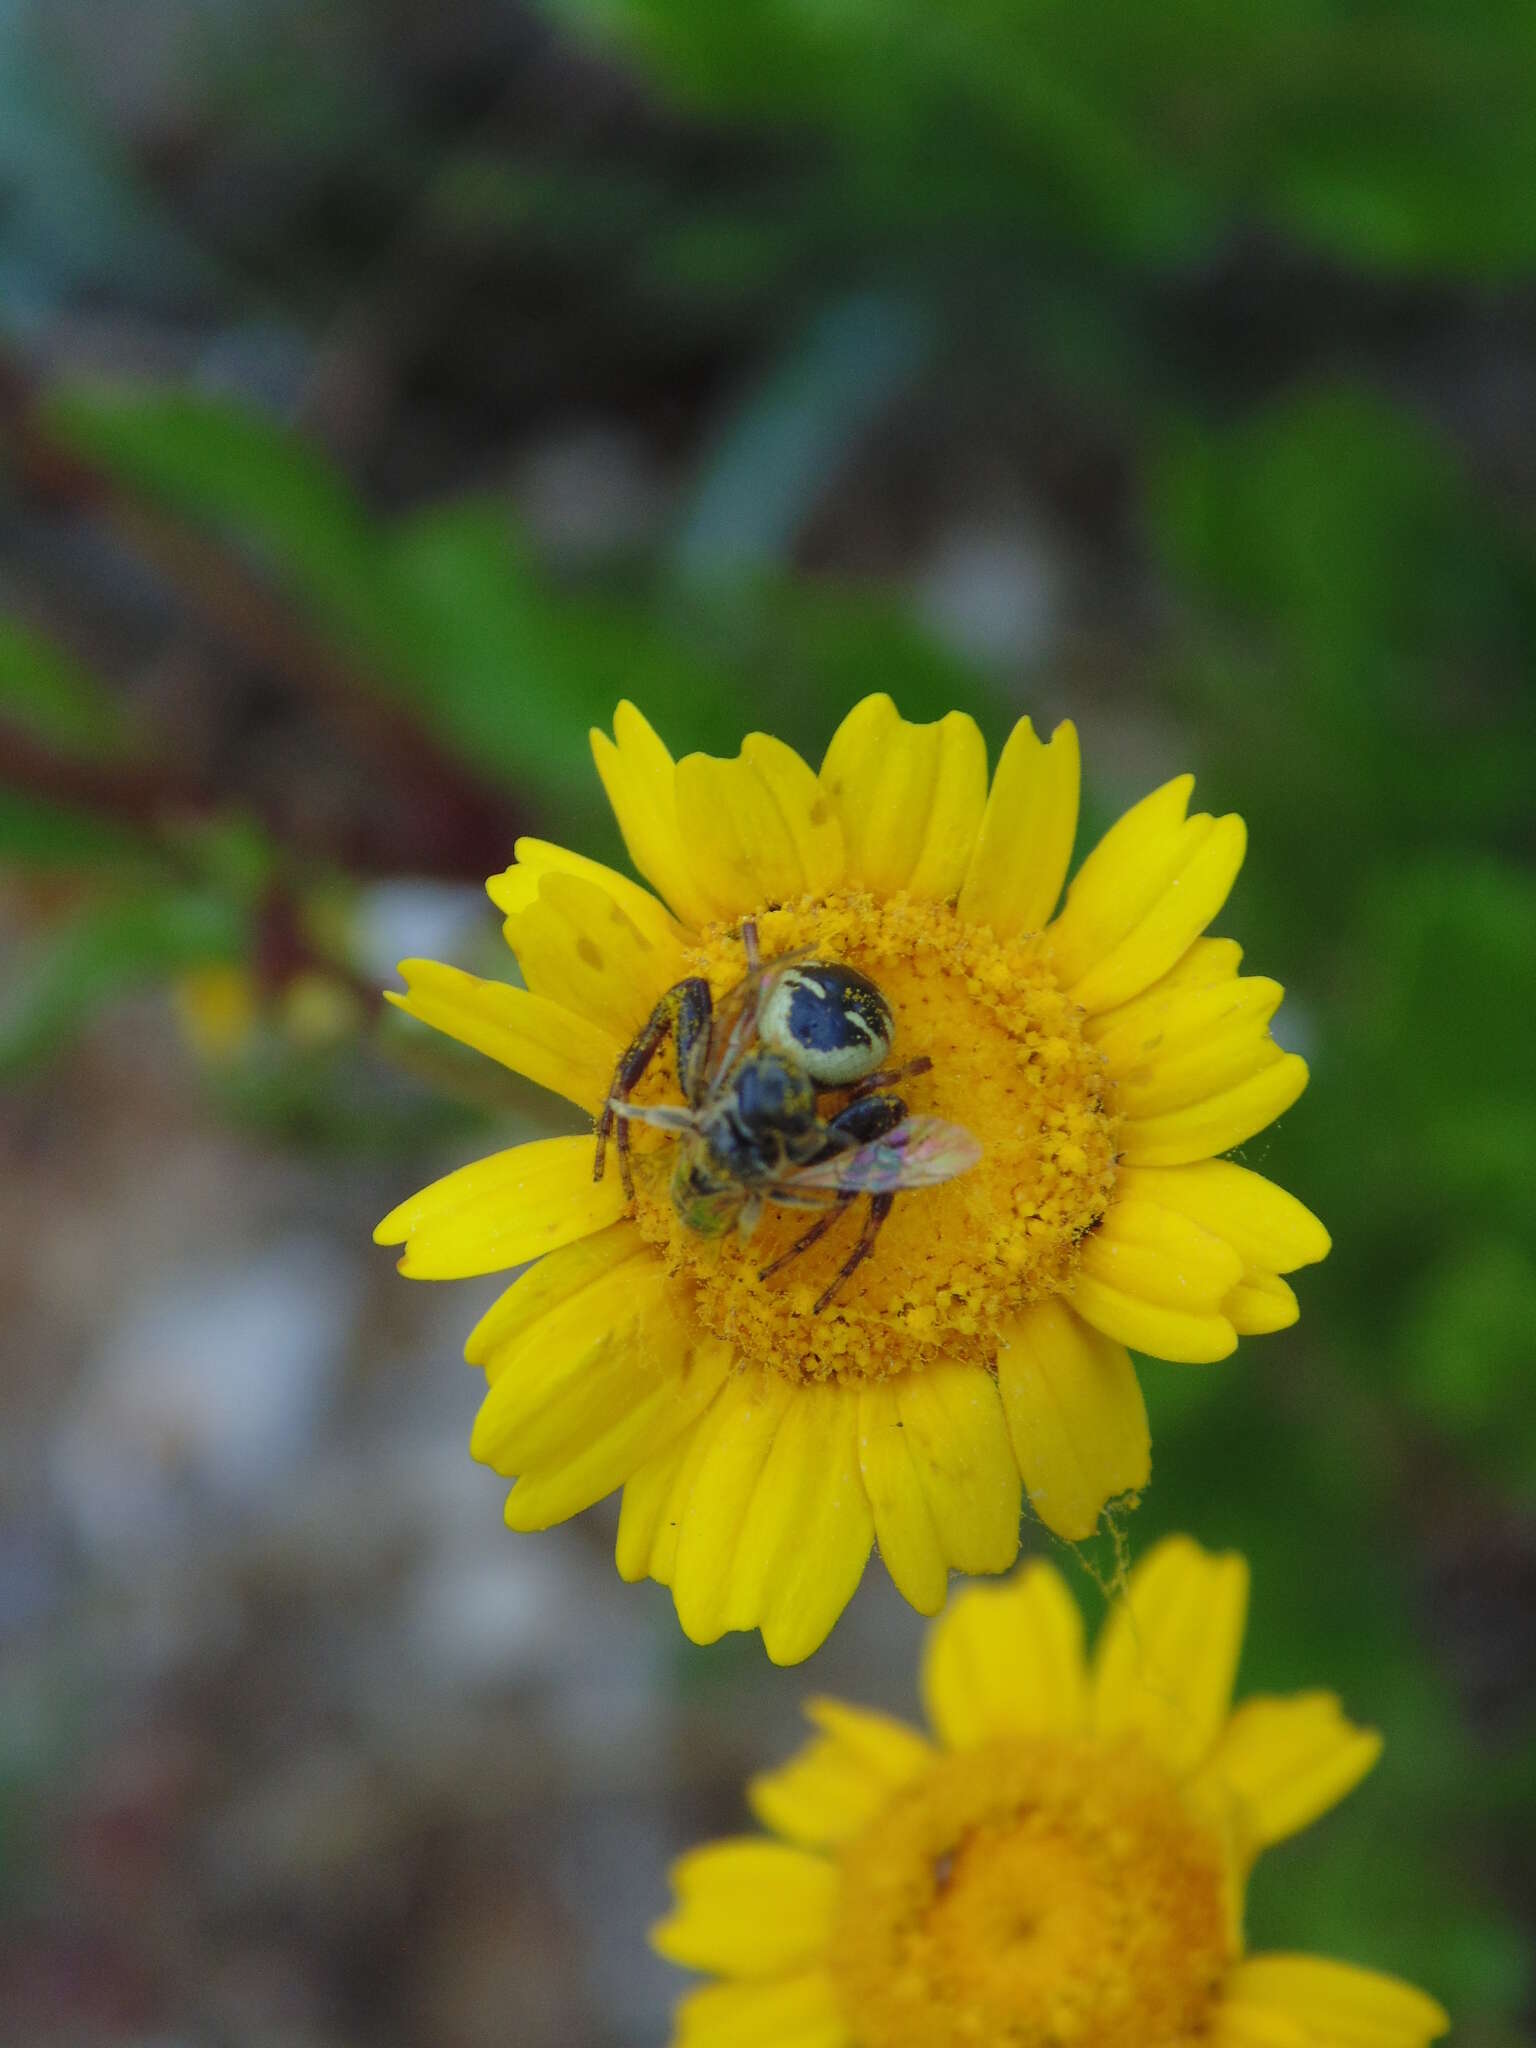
(832,1020)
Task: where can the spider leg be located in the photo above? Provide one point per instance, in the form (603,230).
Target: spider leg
(921,1065)
(861,1121)
(818,1229)
(685,1010)
(856,1123)
(880,1207)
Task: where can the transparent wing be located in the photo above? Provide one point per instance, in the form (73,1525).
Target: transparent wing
(735,1027)
(921,1153)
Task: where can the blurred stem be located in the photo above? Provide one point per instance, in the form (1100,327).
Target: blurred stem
(472,824)
(131,793)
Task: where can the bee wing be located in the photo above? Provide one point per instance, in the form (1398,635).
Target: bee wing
(921,1153)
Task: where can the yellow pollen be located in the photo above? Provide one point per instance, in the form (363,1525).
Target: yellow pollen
(1045,1893)
(955,1263)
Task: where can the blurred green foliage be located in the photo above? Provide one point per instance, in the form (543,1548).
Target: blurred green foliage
(1386,136)
(1346,617)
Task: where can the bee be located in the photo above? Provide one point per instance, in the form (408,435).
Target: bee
(751,1130)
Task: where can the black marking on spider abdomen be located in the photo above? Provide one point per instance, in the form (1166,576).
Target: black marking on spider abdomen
(832,1019)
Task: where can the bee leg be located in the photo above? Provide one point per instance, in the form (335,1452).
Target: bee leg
(818,1229)
(880,1207)
(685,1010)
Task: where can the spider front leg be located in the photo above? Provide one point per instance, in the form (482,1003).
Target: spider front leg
(686,1011)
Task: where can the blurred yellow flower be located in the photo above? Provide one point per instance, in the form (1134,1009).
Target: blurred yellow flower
(217,1009)
(1064,1863)
(1103,1057)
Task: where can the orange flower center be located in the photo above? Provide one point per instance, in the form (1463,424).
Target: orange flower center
(953,1264)
(1045,1893)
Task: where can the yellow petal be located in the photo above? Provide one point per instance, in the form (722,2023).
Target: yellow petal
(1159,1256)
(641,781)
(1181,1136)
(841,1779)
(517,887)
(749,1908)
(806,1535)
(1167,1654)
(647,1539)
(904,1529)
(1333,2004)
(941,1476)
(1251,2026)
(550,1045)
(1211,1804)
(714,1491)
(1289,1760)
(1152,1279)
(607,1441)
(1025,842)
(577,946)
(760,827)
(1210,854)
(1181,1045)
(788,2012)
(555,1279)
(1120,880)
(1260,1304)
(1006,1660)
(1270,1231)
(1184,1336)
(1076,1416)
(502,1211)
(910,798)
(591,1389)
(587,1346)
(1206,964)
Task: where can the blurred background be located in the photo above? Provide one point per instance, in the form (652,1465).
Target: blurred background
(386,390)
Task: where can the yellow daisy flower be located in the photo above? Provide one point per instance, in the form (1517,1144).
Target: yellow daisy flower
(1102,1057)
(1064,1863)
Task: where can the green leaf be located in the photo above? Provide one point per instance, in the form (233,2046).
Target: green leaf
(1395,137)
(35,833)
(1336,517)
(234,468)
(447,612)
(53,699)
(512,672)
(109,947)
(1467,1345)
